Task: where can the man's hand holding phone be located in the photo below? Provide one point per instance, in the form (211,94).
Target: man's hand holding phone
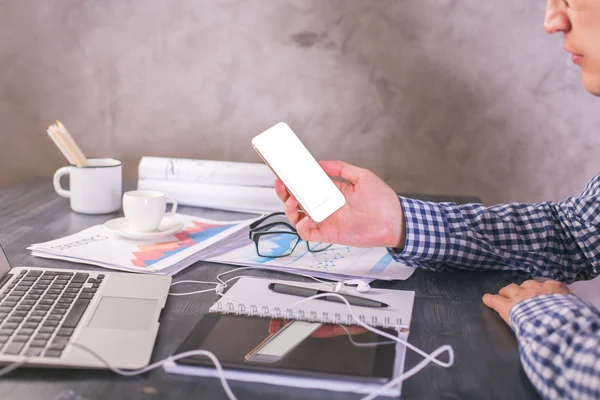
(371,217)
(290,161)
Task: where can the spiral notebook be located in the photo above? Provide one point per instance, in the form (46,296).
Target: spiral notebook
(252,297)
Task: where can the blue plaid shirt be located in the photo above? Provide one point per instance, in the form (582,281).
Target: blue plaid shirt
(559,335)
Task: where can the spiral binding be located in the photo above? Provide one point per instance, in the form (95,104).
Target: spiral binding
(302,315)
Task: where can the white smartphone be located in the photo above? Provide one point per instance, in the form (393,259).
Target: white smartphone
(284,153)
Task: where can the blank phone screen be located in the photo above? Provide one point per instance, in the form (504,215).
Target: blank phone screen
(294,164)
(287,339)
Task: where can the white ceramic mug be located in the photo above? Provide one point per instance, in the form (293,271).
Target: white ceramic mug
(94,189)
(144,209)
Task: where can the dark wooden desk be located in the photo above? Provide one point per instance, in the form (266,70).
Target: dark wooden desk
(448,310)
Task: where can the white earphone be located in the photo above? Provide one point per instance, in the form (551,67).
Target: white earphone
(361,286)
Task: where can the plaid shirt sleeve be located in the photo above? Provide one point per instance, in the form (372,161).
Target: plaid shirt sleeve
(559,335)
(555,240)
(559,342)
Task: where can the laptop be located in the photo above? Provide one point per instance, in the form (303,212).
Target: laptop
(45,313)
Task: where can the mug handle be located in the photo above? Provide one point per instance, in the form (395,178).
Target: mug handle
(173,205)
(56,181)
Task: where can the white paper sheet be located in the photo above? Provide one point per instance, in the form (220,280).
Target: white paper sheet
(252,199)
(205,171)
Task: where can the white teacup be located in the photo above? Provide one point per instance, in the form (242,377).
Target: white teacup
(95,188)
(144,209)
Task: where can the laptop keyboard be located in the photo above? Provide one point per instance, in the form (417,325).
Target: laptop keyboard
(40,310)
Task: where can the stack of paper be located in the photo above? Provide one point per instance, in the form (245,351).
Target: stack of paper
(199,239)
(234,186)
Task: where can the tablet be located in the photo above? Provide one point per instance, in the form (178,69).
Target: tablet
(298,348)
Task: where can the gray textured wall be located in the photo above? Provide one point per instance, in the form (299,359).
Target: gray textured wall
(436,96)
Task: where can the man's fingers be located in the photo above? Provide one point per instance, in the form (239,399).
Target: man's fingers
(336,330)
(307,223)
(342,170)
(291,210)
(495,300)
(340,185)
(557,287)
(530,284)
(281,190)
(500,304)
(308,230)
(324,331)
(275,325)
(510,290)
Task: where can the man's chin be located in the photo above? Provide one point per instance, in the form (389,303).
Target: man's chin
(591,82)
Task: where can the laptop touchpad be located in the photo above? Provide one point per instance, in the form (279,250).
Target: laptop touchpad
(124,313)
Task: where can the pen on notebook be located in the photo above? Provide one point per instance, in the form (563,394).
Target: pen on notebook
(307,292)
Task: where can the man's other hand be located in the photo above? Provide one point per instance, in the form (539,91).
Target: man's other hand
(510,295)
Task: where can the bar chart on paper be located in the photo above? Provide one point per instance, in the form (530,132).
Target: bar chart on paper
(166,255)
(152,253)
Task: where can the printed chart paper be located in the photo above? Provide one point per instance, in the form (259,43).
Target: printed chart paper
(168,255)
(346,261)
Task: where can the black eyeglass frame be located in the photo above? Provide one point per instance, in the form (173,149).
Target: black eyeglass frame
(256,231)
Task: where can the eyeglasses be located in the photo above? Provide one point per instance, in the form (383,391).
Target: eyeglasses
(278,238)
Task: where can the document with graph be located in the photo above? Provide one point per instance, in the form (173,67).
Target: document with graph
(197,239)
(340,261)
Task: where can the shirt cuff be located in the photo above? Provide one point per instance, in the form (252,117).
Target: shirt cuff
(426,231)
(547,310)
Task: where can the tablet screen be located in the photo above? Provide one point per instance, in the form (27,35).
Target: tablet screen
(263,344)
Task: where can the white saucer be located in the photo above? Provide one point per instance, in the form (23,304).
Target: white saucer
(119,226)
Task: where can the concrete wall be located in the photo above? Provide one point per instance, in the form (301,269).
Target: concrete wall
(436,96)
